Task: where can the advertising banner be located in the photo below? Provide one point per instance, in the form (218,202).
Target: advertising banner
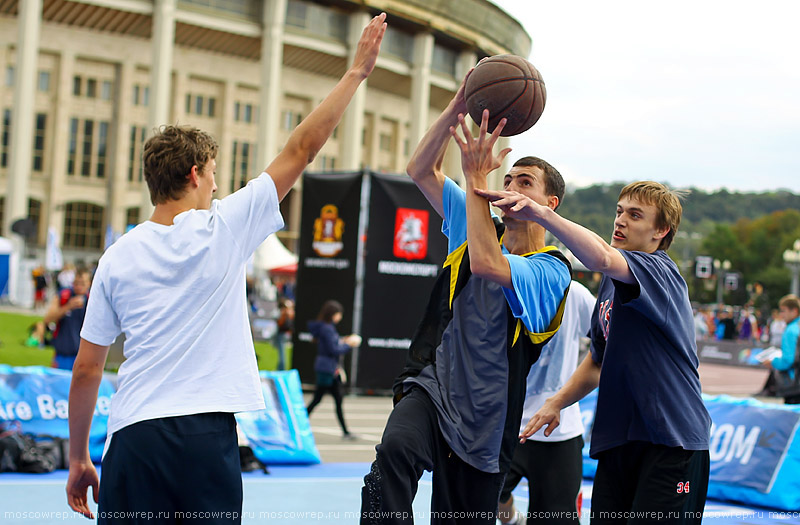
(733,353)
(753,447)
(281,433)
(38,398)
(327,250)
(404,253)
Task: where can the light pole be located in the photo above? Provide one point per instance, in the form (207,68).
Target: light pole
(721,268)
(791,258)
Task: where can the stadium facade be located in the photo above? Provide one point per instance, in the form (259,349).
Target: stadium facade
(84,82)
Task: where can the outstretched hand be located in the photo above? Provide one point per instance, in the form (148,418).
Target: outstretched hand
(548,415)
(369,45)
(514,204)
(477,155)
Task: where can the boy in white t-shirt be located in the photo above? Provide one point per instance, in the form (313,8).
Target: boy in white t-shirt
(175,286)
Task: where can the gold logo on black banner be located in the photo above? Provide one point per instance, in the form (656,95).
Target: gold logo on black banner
(328,230)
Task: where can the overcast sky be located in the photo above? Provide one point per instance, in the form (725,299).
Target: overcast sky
(699,93)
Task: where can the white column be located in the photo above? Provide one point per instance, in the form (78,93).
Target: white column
(421,86)
(21,141)
(452,161)
(225,154)
(163,43)
(353,120)
(271,93)
(119,153)
(58,173)
(496,177)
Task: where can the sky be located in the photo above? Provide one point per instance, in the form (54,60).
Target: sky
(701,93)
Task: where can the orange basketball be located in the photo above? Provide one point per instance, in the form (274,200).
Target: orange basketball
(509,87)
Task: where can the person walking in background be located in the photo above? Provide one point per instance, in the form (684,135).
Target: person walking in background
(67,311)
(175,286)
(330,348)
(283,332)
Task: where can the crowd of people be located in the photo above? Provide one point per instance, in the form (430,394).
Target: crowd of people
(743,323)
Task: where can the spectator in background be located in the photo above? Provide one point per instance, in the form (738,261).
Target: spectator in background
(700,324)
(776,328)
(330,347)
(785,363)
(65,277)
(67,310)
(747,325)
(284,330)
(726,327)
(39,287)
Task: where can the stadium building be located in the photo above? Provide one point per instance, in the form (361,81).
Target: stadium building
(83,83)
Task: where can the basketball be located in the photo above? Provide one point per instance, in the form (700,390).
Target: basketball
(509,87)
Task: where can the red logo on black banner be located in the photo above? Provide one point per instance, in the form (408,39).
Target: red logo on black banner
(411,234)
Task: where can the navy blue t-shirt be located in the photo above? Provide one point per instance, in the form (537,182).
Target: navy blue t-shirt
(643,336)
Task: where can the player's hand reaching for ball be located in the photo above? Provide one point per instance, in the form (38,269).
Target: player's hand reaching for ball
(459,102)
(477,153)
(514,204)
(549,414)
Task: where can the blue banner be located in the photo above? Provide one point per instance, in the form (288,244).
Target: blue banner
(38,397)
(754,450)
(280,434)
(748,443)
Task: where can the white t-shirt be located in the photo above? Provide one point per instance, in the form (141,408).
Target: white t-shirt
(556,364)
(178,294)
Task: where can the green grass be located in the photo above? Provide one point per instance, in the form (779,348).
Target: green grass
(14,332)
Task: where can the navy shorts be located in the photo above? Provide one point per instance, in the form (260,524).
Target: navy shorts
(181,469)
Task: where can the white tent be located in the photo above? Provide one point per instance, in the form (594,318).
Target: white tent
(272,255)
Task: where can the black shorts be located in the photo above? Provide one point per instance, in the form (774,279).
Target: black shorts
(645,483)
(181,469)
(554,470)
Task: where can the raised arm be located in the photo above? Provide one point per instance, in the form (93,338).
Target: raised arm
(595,253)
(311,134)
(477,161)
(425,166)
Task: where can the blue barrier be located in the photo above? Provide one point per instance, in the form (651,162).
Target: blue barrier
(37,397)
(754,450)
(280,434)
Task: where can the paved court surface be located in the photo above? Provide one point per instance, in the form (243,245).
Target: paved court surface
(330,492)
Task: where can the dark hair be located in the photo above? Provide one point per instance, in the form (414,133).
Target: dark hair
(169,156)
(553,181)
(328,310)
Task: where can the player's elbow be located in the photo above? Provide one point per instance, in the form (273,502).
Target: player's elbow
(484,267)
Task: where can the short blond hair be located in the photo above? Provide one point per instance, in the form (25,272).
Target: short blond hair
(790,302)
(666,201)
